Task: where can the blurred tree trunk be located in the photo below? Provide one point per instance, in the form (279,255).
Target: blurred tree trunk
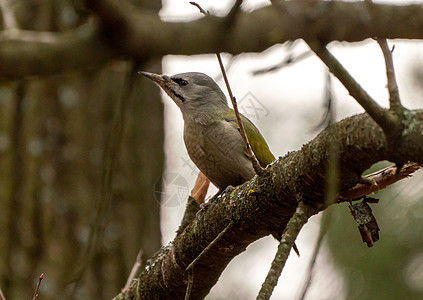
(55,134)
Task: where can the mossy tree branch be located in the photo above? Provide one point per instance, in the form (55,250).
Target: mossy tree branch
(266,203)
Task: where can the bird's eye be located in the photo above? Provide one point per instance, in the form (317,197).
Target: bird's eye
(180,81)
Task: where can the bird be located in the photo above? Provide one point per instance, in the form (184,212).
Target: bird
(211,134)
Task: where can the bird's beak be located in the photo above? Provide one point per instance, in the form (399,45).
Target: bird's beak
(152,76)
(168,85)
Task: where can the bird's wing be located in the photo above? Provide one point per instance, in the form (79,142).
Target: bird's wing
(257,141)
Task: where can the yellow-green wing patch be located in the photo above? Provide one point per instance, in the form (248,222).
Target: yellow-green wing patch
(257,141)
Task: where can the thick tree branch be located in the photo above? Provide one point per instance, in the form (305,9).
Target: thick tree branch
(143,36)
(266,203)
(260,29)
(25,53)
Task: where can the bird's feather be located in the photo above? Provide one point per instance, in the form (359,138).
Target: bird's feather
(257,141)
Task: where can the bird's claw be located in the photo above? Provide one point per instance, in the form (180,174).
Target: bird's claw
(203,208)
(219,194)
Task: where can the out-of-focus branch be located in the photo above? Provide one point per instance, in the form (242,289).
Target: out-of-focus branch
(9,19)
(394,98)
(290,60)
(142,35)
(332,181)
(134,271)
(233,13)
(26,53)
(388,121)
(2,297)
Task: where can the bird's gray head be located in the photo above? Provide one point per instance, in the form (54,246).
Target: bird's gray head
(197,95)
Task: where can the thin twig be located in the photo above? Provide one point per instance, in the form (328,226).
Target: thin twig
(300,217)
(394,98)
(206,13)
(324,225)
(328,117)
(134,271)
(383,117)
(286,62)
(2,297)
(37,287)
(228,66)
(256,165)
(209,246)
(110,159)
(190,268)
(189,285)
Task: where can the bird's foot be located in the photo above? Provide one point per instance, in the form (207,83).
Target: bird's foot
(226,191)
(218,195)
(203,208)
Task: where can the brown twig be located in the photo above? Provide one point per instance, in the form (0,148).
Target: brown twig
(134,270)
(299,218)
(190,268)
(381,179)
(37,287)
(394,98)
(209,246)
(206,13)
(256,165)
(8,15)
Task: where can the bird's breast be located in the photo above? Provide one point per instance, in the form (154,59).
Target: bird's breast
(218,151)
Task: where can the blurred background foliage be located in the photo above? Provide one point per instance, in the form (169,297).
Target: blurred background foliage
(76,173)
(393,267)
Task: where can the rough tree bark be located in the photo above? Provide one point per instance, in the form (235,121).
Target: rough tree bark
(265,204)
